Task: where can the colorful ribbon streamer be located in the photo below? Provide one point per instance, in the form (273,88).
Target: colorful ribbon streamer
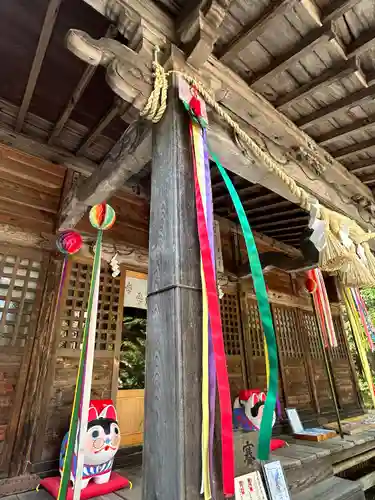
(357,330)
(323,308)
(210,290)
(73,435)
(364,316)
(265,432)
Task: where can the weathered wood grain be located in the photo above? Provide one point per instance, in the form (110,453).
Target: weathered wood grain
(173,353)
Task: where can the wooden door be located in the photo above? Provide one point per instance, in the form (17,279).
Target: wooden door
(22,273)
(323,392)
(130,402)
(293,363)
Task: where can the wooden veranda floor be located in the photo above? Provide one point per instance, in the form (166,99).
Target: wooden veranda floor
(134,474)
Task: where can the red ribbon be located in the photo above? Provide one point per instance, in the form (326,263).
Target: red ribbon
(217,340)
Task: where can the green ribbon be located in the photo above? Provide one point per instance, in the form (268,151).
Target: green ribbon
(265,432)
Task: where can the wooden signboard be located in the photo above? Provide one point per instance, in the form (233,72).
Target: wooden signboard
(311,434)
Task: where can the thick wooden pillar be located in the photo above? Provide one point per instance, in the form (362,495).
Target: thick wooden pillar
(173,354)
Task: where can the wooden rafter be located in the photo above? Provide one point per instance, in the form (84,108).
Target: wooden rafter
(368,179)
(282,230)
(337,8)
(365,41)
(348,151)
(114,171)
(361,166)
(331,75)
(253,30)
(45,35)
(266,225)
(341,133)
(319,35)
(242,192)
(340,105)
(276,215)
(77,93)
(116,109)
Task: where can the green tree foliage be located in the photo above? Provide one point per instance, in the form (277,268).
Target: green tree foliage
(132,356)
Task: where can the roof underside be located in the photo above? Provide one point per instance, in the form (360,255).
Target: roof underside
(312,59)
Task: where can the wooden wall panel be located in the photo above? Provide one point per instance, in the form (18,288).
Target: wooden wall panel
(21,279)
(233,342)
(31,190)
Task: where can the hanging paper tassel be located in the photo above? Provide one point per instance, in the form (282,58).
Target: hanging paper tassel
(358,339)
(265,432)
(216,328)
(101,217)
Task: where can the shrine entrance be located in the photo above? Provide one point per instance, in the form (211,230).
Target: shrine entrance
(130,395)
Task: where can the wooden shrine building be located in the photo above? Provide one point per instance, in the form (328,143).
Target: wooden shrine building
(299,77)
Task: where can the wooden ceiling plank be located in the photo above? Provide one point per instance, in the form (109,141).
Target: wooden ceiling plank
(111,175)
(328,77)
(266,225)
(361,166)
(265,208)
(341,133)
(364,42)
(116,109)
(253,30)
(368,179)
(346,152)
(77,93)
(285,230)
(271,217)
(242,192)
(286,235)
(337,8)
(328,111)
(315,37)
(45,35)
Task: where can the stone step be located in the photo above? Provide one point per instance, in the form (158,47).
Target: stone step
(333,488)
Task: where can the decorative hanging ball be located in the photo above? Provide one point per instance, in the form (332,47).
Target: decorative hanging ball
(69,242)
(102,216)
(311,285)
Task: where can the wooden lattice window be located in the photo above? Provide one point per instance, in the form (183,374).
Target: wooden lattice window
(311,327)
(339,352)
(256,335)
(19,277)
(73,314)
(286,325)
(230,322)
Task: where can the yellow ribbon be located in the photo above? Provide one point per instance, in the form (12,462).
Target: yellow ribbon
(206,485)
(358,339)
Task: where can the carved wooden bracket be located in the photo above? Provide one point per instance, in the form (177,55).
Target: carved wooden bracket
(200,29)
(129,74)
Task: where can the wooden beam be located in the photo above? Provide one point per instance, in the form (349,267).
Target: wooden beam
(253,30)
(249,168)
(318,36)
(277,216)
(342,104)
(285,229)
(171,450)
(340,133)
(77,93)
(364,42)
(337,8)
(45,35)
(331,75)
(116,109)
(117,167)
(346,152)
(369,178)
(278,223)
